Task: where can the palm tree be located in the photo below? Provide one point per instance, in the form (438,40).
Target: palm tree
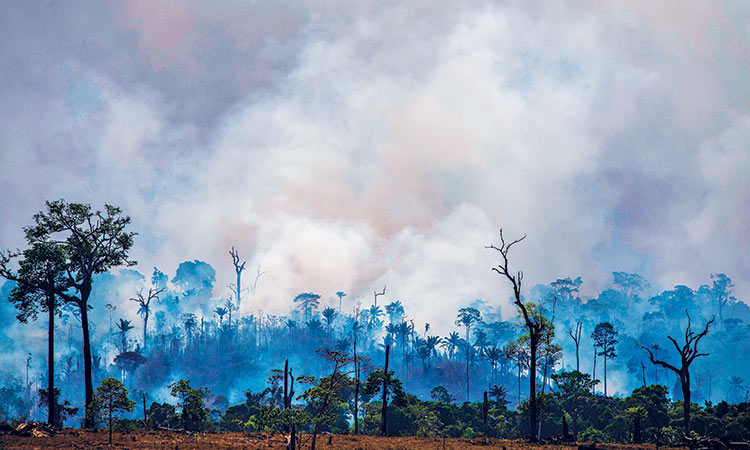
(374,313)
(341,295)
(451,343)
(395,311)
(124,326)
(736,388)
(144,301)
(329,314)
(220,312)
(466,318)
(493,354)
(307,302)
(190,322)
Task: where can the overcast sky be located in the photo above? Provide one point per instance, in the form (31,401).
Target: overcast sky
(349,145)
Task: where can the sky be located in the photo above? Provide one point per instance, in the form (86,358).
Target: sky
(353,145)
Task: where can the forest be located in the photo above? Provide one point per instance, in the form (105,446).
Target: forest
(172,350)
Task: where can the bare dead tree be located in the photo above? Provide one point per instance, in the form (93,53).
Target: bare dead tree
(378,294)
(533,321)
(258,274)
(575,334)
(688,352)
(144,301)
(238,268)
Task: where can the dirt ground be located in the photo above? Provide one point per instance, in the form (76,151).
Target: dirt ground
(71,439)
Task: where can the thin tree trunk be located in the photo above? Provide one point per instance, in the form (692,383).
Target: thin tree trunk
(356,389)
(88,421)
(467,363)
(534,340)
(605,374)
(685,380)
(593,387)
(485,413)
(145,328)
(51,397)
(110,422)
(384,410)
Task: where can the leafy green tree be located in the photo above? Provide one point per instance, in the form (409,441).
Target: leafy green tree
(110,398)
(41,274)
(653,400)
(441,394)
(605,338)
(61,410)
(91,242)
(190,402)
(574,390)
(325,393)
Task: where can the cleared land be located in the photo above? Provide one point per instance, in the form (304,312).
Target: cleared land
(164,440)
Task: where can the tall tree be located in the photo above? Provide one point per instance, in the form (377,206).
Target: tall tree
(144,301)
(41,273)
(92,242)
(605,338)
(340,295)
(575,334)
(688,352)
(329,314)
(467,317)
(307,301)
(535,323)
(124,326)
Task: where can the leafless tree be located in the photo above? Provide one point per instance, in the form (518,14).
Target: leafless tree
(238,268)
(575,334)
(534,322)
(688,352)
(378,294)
(144,301)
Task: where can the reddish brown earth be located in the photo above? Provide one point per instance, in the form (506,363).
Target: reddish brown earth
(71,439)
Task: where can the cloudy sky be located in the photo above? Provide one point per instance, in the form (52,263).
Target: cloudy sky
(349,145)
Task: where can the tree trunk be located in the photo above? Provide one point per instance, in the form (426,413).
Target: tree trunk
(239,289)
(467,363)
(593,386)
(685,381)
(88,384)
(110,422)
(384,410)
(485,413)
(145,328)
(605,374)
(578,360)
(534,342)
(51,397)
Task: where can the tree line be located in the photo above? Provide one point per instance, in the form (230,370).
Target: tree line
(70,245)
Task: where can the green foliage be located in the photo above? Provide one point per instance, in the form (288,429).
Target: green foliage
(62,411)
(110,398)
(162,415)
(190,401)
